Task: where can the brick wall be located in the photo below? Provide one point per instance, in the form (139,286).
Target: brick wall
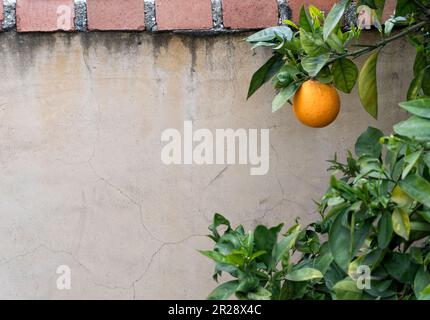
(1,16)
(150,15)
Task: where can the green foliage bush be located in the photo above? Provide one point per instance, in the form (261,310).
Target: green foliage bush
(376,214)
(376,211)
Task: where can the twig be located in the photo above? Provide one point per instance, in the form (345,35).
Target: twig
(379,44)
(422,7)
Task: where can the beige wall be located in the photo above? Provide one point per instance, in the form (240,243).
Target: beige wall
(81,180)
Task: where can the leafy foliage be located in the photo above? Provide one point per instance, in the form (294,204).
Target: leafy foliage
(301,53)
(368,88)
(319,48)
(376,213)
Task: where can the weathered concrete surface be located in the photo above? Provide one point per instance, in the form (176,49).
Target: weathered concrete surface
(82,183)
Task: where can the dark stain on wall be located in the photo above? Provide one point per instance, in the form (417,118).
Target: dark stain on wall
(159,42)
(25,46)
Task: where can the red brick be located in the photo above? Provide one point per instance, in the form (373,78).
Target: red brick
(250,14)
(183,14)
(324,5)
(45,15)
(116,14)
(390,7)
(1,15)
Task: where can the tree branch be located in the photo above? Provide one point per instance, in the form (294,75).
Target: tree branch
(422,7)
(379,44)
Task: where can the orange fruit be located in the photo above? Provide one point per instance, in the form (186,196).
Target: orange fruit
(316,104)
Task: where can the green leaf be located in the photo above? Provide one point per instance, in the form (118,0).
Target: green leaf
(367,86)
(410,161)
(405,7)
(415,128)
(305,21)
(229,242)
(400,267)
(334,17)
(420,226)
(416,255)
(347,290)
(385,230)
(368,143)
(224,291)
(248,284)
(304,274)
(249,243)
(401,223)
(216,256)
(235,258)
(361,232)
(265,73)
(420,107)
(312,44)
(381,289)
(316,14)
(427,260)
(392,22)
(325,75)
(271,34)
(313,65)
(371,259)
(264,240)
(323,262)
(218,220)
(345,74)
(257,254)
(285,245)
(417,188)
(425,294)
(415,86)
(420,62)
(426,83)
(425,215)
(290,23)
(263,44)
(287,74)
(340,241)
(335,43)
(333,275)
(293,290)
(308,242)
(389,25)
(260,294)
(284,95)
(400,197)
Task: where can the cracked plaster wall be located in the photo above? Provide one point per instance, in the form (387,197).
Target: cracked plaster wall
(82,183)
